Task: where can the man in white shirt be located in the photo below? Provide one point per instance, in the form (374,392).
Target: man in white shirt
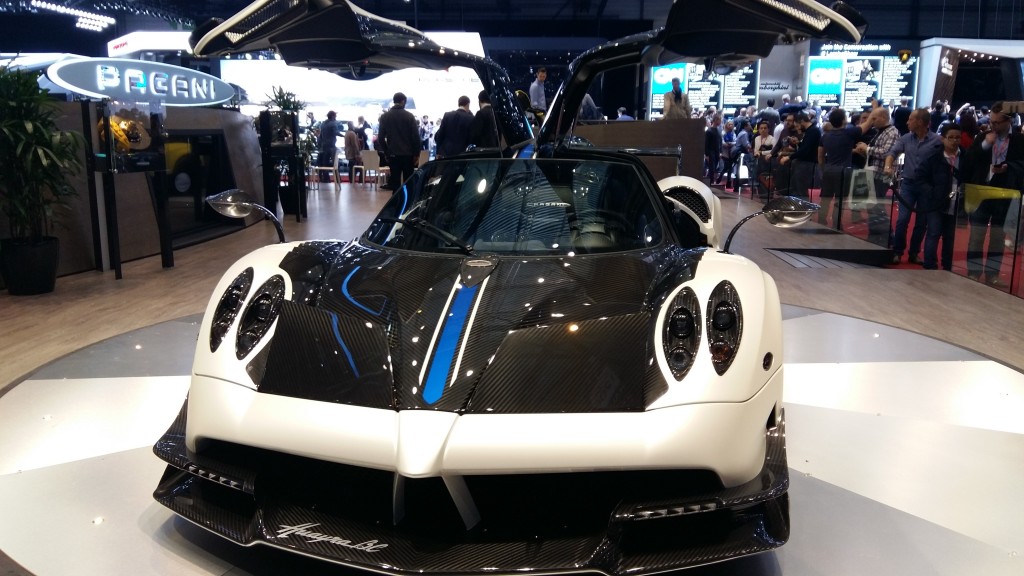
(537,97)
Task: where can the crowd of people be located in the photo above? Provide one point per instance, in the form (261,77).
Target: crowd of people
(925,158)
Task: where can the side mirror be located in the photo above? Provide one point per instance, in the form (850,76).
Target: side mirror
(235,203)
(782,212)
(788,211)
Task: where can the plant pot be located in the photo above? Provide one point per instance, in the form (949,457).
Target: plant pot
(29,267)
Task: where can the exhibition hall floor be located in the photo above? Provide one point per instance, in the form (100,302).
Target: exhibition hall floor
(905,451)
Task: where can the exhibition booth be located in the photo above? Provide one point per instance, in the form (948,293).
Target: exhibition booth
(317,413)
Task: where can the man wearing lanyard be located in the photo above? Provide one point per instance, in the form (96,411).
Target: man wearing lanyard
(916,146)
(941,185)
(998,161)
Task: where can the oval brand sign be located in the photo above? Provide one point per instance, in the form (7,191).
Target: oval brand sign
(123,79)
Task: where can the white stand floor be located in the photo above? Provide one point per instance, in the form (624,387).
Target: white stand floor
(906,455)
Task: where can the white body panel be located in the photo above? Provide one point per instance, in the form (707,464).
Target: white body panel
(762,333)
(713,229)
(706,421)
(726,438)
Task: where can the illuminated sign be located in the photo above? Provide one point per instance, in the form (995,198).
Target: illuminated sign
(825,80)
(661,82)
(885,71)
(728,92)
(139,80)
(170,41)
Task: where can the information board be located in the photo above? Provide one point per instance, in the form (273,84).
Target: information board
(726,92)
(661,82)
(851,75)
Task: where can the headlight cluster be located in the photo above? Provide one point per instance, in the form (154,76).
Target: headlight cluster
(259,315)
(228,307)
(682,332)
(725,325)
(682,329)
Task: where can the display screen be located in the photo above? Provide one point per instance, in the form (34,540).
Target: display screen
(727,92)
(852,75)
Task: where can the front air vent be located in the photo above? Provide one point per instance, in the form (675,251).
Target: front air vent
(691,199)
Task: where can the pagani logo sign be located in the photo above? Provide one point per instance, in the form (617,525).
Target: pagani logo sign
(303,531)
(124,79)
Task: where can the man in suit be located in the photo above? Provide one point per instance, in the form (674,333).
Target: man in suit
(939,201)
(483,133)
(452,136)
(997,160)
(399,138)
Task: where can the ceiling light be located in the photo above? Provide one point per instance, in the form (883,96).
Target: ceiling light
(72,11)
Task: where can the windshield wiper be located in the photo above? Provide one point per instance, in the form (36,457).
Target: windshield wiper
(432,231)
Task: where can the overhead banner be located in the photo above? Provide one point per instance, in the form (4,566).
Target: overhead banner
(852,75)
(140,81)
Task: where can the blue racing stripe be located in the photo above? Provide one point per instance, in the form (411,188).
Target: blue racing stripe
(448,343)
(344,290)
(344,348)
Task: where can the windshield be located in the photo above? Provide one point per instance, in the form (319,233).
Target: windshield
(520,206)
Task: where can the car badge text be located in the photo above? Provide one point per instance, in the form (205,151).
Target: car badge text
(303,531)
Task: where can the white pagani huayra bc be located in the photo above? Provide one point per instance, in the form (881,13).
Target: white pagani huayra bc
(537,359)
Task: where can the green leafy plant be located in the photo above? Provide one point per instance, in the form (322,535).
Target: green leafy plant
(36,157)
(284,100)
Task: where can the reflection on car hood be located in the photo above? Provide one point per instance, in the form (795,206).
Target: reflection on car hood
(402,330)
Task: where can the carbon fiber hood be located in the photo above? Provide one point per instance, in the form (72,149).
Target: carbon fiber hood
(401,330)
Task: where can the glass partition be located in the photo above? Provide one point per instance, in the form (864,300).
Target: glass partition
(983,229)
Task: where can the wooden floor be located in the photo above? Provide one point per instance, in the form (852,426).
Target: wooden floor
(89,307)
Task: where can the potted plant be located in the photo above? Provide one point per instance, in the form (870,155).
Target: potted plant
(36,159)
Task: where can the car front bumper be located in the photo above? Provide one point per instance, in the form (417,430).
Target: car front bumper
(569,519)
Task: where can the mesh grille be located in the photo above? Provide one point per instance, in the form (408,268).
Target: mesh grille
(692,200)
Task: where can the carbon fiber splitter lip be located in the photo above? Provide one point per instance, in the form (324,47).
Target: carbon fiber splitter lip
(342,514)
